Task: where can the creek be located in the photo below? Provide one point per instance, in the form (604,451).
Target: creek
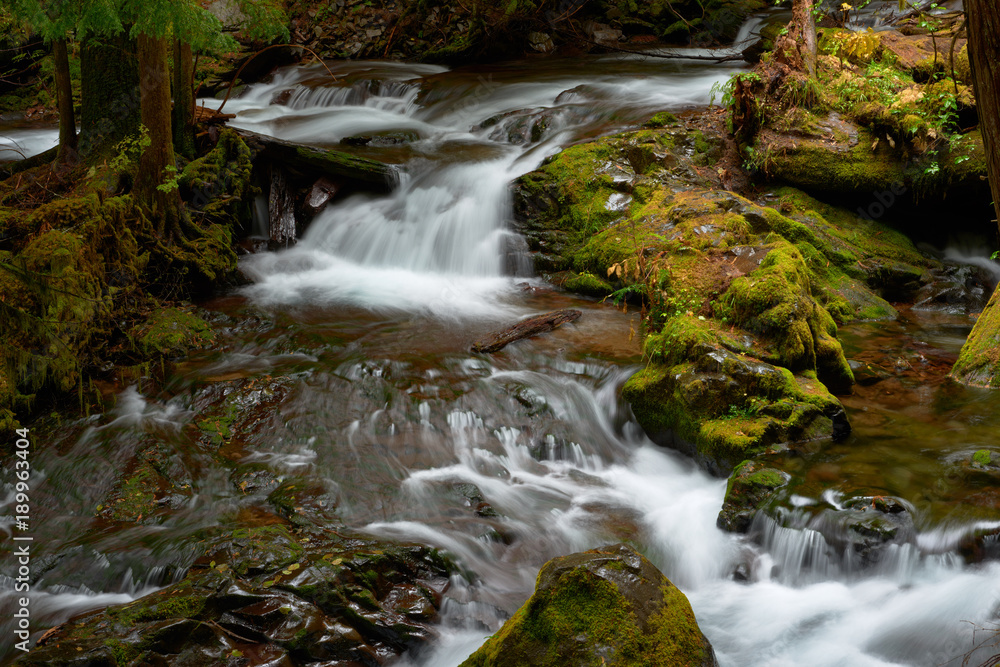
(370,317)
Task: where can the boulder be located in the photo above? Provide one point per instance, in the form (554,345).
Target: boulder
(608,606)
(750,487)
(279,596)
(978,363)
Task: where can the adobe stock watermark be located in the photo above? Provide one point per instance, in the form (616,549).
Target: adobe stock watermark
(883,201)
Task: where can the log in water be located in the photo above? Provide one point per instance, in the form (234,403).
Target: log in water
(532,326)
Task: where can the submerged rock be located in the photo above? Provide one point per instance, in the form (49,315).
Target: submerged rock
(608,606)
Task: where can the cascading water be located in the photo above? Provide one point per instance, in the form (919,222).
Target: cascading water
(510,460)
(802,601)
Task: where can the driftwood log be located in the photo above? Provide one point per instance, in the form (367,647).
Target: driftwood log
(310,160)
(525,329)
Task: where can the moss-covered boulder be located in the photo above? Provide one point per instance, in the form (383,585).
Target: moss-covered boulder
(750,487)
(742,298)
(722,407)
(845,158)
(608,606)
(978,363)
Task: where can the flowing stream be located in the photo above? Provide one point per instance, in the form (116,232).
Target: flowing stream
(375,311)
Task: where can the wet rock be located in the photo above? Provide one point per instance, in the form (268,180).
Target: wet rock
(321,192)
(230,413)
(253,479)
(272,596)
(722,407)
(750,487)
(382,139)
(608,604)
(978,363)
(603,34)
(867,525)
(521,127)
(305,500)
(866,374)
(956,288)
(541,42)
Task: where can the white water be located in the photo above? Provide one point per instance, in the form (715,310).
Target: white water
(433,246)
(17,143)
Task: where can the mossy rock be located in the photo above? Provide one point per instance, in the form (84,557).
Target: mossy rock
(985,459)
(776,302)
(589,284)
(323,595)
(170,332)
(608,606)
(978,363)
(750,487)
(722,407)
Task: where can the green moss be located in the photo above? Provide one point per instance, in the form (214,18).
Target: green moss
(220,184)
(983,457)
(122,652)
(176,603)
(588,283)
(592,615)
(978,362)
(662,119)
(172,331)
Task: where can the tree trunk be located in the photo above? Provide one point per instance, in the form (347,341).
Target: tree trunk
(984,55)
(183,99)
(64,94)
(978,363)
(157,165)
(110,92)
(797,48)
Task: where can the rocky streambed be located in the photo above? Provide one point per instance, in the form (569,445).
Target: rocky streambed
(325,474)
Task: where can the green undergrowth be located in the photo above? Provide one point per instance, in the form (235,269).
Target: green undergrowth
(85,281)
(881,112)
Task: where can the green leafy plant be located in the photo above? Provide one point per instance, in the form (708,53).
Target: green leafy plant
(129,150)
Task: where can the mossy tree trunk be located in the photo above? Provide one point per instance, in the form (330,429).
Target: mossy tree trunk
(979,362)
(183,99)
(984,55)
(64,94)
(157,165)
(109,88)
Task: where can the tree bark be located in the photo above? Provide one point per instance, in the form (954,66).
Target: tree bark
(797,48)
(525,329)
(109,87)
(64,95)
(984,55)
(977,363)
(183,99)
(157,164)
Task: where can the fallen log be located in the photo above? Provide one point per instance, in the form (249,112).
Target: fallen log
(525,329)
(309,159)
